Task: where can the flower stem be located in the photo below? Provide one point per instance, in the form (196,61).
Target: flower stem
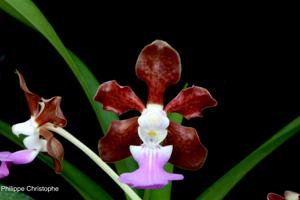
(105,167)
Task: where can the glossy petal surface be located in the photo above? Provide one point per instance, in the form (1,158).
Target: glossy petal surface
(52,113)
(151,173)
(188,151)
(54,149)
(159,66)
(32,99)
(190,102)
(118,99)
(114,146)
(272,196)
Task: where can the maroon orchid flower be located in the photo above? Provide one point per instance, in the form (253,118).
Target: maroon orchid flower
(288,195)
(39,138)
(159,66)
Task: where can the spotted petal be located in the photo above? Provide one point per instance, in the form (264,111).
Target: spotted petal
(273,196)
(32,99)
(118,99)
(54,149)
(159,66)
(51,112)
(114,146)
(188,151)
(191,101)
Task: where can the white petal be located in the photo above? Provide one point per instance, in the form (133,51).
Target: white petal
(167,151)
(34,142)
(135,150)
(154,117)
(27,128)
(289,195)
(151,136)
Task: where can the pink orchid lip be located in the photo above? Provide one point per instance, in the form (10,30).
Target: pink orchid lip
(159,66)
(19,157)
(151,173)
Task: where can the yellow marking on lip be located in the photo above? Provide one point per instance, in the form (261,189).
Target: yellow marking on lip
(152,133)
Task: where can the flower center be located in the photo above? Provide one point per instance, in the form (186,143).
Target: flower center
(152,134)
(153,125)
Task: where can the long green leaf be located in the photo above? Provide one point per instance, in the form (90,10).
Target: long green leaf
(86,187)
(28,13)
(222,186)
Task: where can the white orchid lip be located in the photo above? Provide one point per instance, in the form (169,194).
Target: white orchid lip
(28,127)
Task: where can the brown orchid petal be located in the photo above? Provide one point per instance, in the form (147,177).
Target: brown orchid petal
(272,196)
(51,112)
(159,66)
(32,99)
(118,99)
(114,146)
(54,149)
(188,151)
(191,101)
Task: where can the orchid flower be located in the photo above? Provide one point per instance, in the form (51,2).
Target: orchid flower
(152,138)
(288,195)
(19,157)
(43,111)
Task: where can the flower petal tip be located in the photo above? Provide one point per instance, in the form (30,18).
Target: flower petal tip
(159,66)
(118,99)
(191,102)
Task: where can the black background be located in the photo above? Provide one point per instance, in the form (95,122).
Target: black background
(246,59)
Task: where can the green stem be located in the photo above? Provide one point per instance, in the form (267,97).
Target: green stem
(105,167)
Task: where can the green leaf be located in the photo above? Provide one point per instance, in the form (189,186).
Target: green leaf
(28,13)
(86,187)
(222,186)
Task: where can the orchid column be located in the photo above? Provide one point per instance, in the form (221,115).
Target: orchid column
(152,138)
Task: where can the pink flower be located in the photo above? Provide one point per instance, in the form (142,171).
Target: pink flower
(288,195)
(19,157)
(159,66)
(42,111)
